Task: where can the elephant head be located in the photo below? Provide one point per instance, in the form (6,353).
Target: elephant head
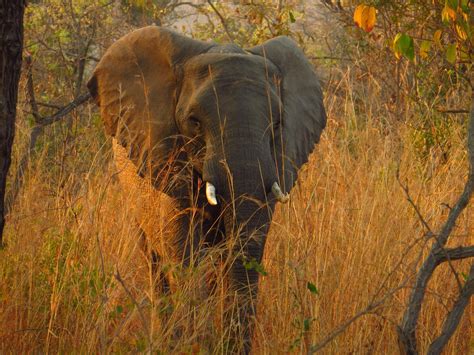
(241,121)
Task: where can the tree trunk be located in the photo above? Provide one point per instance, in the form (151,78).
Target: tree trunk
(11,45)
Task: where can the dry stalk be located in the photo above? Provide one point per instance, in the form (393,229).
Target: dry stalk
(437,255)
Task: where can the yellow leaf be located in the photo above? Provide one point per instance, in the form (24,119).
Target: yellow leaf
(461,33)
(424,49)
(358,15)
(447,14)
(364,17)
(437,37)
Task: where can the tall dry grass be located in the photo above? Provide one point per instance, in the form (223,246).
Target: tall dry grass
(74,278)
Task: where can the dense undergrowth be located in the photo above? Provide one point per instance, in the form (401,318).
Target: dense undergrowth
(74,278)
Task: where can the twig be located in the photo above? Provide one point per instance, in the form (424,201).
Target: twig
(140,313)
(48,104)
(453,111)
(372,306)
(423,221)
(120,326)
(413,204)
(374,303)
(331,58)
(224,24)
(453,318)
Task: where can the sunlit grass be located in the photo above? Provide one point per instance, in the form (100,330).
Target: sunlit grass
(348,230)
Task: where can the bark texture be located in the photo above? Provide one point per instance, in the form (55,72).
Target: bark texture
(11,45)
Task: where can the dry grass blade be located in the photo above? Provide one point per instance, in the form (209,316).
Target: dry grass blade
(407,329)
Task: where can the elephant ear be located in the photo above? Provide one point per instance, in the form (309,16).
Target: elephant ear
(303,117)
(135,85)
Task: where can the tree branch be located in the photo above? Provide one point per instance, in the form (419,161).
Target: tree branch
(30,89)
(454,254)
(224,24)
(453,318)
(78,101)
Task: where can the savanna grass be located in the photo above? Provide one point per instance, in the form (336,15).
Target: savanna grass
(75,278)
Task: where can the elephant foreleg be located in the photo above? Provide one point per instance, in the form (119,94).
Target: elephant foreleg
(158,276)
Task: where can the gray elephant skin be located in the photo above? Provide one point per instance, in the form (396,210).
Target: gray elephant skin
(208,138)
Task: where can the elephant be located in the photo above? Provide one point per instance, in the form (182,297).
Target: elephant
(212,137)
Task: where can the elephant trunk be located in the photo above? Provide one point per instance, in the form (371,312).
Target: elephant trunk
(248,225)
(243,179)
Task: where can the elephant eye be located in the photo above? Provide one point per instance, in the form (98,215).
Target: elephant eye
(194,121)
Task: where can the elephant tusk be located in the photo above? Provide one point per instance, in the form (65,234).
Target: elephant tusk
(280,196)
(211,194)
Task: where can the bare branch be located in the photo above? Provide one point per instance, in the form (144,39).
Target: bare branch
(454,254)
(453,111)
(31,90)
(413,204)
(78,101)
(82,60)
(454,317)
(330,58)
(224,24)
(48,104)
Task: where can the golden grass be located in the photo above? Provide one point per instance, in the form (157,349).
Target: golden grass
(348,230)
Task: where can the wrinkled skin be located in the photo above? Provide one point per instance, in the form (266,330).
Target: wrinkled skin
(183,113)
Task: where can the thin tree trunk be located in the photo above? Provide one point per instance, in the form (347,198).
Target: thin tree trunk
(11,45)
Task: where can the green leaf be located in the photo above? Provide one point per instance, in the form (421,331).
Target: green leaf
(403,44)
(119,309)
(292,17)
(255,265)
(312,288)
(451,53)
(296,343)
(453,4)
(306,324)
